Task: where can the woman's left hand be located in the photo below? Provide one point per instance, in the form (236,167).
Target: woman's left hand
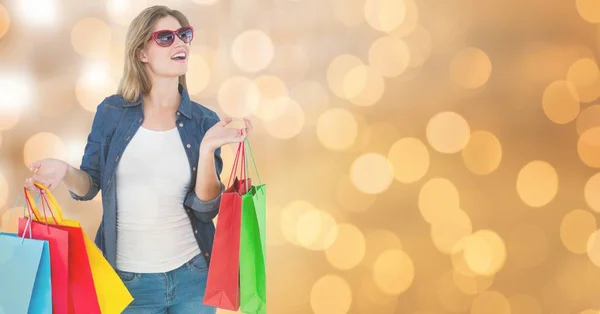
(219,135)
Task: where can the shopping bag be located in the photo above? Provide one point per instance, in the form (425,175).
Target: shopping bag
(58,241)
(110,295)
(222,286)
(253,287)
(82,293)
(25,272)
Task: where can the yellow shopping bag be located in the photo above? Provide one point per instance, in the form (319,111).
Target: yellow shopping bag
(113,296)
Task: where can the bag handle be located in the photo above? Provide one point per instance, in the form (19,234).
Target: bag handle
(49,200)
(253,161)
(236,162)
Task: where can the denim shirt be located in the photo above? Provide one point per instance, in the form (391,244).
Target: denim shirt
(115,123)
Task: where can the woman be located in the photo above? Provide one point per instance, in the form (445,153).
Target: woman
(155,155)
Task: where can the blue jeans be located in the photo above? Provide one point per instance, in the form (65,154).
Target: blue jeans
(179,291)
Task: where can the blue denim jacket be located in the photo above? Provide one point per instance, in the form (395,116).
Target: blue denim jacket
(115,123)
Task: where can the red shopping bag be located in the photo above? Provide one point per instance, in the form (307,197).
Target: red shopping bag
(222,286)
(81,290)
(59,259)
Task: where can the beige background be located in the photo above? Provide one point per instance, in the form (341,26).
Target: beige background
(421,156)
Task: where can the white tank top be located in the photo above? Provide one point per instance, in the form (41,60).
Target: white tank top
(154,234)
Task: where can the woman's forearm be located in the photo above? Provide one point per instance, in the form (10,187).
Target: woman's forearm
(208,185)
(77,181)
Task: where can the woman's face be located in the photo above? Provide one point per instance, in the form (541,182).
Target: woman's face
(171,61)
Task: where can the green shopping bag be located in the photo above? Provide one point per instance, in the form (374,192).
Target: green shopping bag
(253,279)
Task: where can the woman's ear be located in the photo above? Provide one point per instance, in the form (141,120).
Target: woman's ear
(142,56)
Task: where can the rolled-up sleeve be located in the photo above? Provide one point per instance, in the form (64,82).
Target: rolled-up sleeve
(90,162)
(204,210)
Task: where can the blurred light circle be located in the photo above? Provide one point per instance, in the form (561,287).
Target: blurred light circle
(316,230)
(583,72)
(124,11)
(576,228)
(419,46)
(588,147)
(379,241)
(411,19)
(91,38)
(198,75)
(330,294)
(484,252)
(38,13)
(337,129)
(446,233)
(561,102)
(410,159)
(394,271)
(337,72)
(364,86)
(588,118)
(448,132)
(593,247)
(385,15)
(352,199)
(438,199)
(527,246)
(483,153)
(524,304)
(472,284)
(238,96)
(290,216)
(252,50)
(289,124)
(389,55)
(490,302)
(43,145)
(348,249)
(471,68)
(4,21)
(94,85)
(273,97)
(537,183)
(592,197)
(589,10)
(371,173)
(18,93)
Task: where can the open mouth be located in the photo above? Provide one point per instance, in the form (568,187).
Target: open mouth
(179,56)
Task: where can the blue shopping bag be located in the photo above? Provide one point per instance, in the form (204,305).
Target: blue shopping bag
(25,282)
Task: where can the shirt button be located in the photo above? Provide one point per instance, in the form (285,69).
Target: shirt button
(205,254)
(117,159)
(141,120)
(180,124)
(195,231)
(194,169)
(188,145)
(127,138)
(178,113)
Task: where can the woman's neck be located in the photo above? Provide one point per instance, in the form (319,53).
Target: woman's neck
(164,94)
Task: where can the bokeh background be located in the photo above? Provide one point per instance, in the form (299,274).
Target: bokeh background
(421,156)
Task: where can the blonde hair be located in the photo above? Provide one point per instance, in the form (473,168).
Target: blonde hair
(135,80)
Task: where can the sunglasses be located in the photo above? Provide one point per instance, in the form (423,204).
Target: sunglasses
(166,38)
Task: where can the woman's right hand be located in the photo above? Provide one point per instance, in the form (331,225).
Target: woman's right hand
(48,172)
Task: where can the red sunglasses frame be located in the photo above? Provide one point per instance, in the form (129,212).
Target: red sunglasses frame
(155,35)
